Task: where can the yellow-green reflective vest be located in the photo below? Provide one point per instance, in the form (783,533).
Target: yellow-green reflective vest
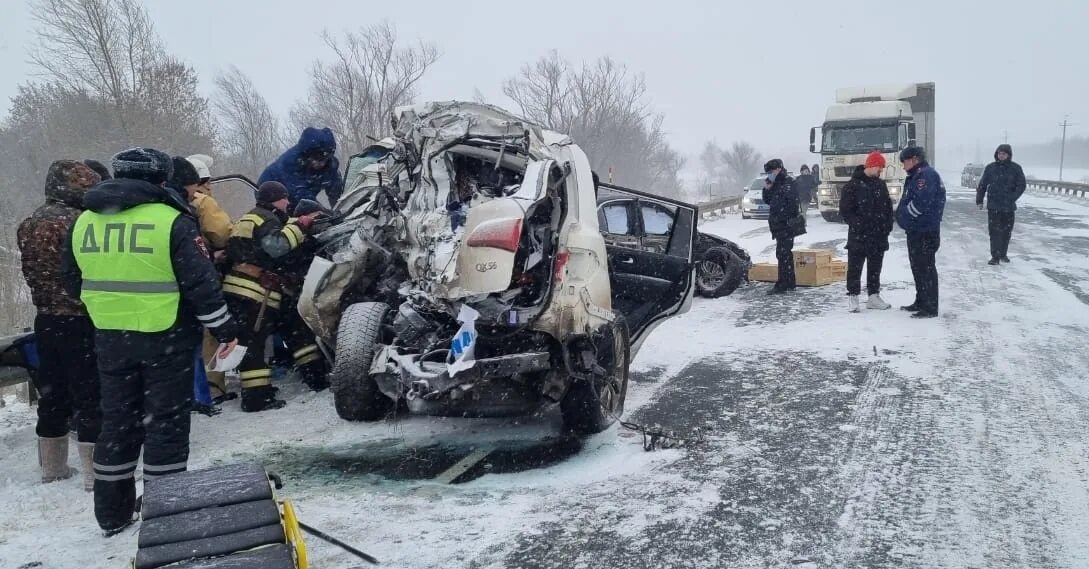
(128,279)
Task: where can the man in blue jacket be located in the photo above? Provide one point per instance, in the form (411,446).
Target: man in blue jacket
(308,168)
(1002,184)
(920,215)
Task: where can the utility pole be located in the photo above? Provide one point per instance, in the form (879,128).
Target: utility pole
(1062,151)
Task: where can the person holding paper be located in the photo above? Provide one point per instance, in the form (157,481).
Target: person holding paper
(137,261)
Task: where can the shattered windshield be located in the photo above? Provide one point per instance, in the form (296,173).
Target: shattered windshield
(859,140)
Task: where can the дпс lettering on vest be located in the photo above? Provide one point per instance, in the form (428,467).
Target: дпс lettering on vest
(89,242)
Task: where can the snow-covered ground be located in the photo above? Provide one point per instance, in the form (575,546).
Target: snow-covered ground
(834,439)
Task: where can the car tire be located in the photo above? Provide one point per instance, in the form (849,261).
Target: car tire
(719,273)
(591,406)
(355,393)
(831,217)
(743,216)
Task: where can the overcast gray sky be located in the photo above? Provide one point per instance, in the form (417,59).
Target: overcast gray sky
(762,71)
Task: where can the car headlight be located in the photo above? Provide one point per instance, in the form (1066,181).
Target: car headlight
(747,201)
(894,190)
(824,192)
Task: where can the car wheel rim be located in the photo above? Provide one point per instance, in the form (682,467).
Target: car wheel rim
(711,275)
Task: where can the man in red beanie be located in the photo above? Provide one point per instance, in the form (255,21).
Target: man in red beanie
(866,206)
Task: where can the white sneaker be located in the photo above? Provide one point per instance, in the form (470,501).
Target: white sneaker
(852,303)
(877,303)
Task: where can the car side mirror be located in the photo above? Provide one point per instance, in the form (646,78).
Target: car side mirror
(911,134)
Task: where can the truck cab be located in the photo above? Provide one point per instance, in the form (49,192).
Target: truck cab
(886,119)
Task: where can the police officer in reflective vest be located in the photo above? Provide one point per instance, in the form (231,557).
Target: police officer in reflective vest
(137,261)
(263,246)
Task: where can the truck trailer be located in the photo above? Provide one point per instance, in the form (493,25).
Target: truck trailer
(885,118)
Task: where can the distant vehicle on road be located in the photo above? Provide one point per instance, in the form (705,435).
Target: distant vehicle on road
(969,177)
(752,203)
(885,118)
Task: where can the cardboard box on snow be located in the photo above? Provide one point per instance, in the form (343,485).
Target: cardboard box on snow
(764,272)
(812,267)
(839,270)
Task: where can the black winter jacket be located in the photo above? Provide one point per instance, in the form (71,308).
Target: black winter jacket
(866,206)
(784,219)
(1002,182)
(198,281)
(806,184)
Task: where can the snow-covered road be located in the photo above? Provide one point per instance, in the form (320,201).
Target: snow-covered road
(835,439)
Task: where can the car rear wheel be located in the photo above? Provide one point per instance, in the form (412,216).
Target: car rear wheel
(355,393)
(719,273)
(831,217)
(591,406)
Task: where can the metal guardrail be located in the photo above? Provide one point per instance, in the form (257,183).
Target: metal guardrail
(1062,188)
(716,207)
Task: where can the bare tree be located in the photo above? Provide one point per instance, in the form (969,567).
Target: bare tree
(741,162)
(542,91)
(603,107)
(712,166)
(250,133)
(109,49)
(370,75)
(103,46)
(18,312)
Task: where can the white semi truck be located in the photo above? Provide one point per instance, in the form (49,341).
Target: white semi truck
(885,118)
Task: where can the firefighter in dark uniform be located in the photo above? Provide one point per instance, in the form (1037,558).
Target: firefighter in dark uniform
(137,261)
(263,245)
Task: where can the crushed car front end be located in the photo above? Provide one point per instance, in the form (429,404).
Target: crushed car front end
(466,274)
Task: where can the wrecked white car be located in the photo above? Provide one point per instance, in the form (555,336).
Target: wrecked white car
(466,275)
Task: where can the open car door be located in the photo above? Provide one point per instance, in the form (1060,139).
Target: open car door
(235,193)
(649,241)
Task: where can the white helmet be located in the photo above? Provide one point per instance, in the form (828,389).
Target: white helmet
(203,164)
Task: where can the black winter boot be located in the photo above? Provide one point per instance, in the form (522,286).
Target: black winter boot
(262,398)
(314,376)
(229,396)
(993,261)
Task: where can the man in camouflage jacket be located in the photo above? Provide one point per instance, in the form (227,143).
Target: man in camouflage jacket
(67,378)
